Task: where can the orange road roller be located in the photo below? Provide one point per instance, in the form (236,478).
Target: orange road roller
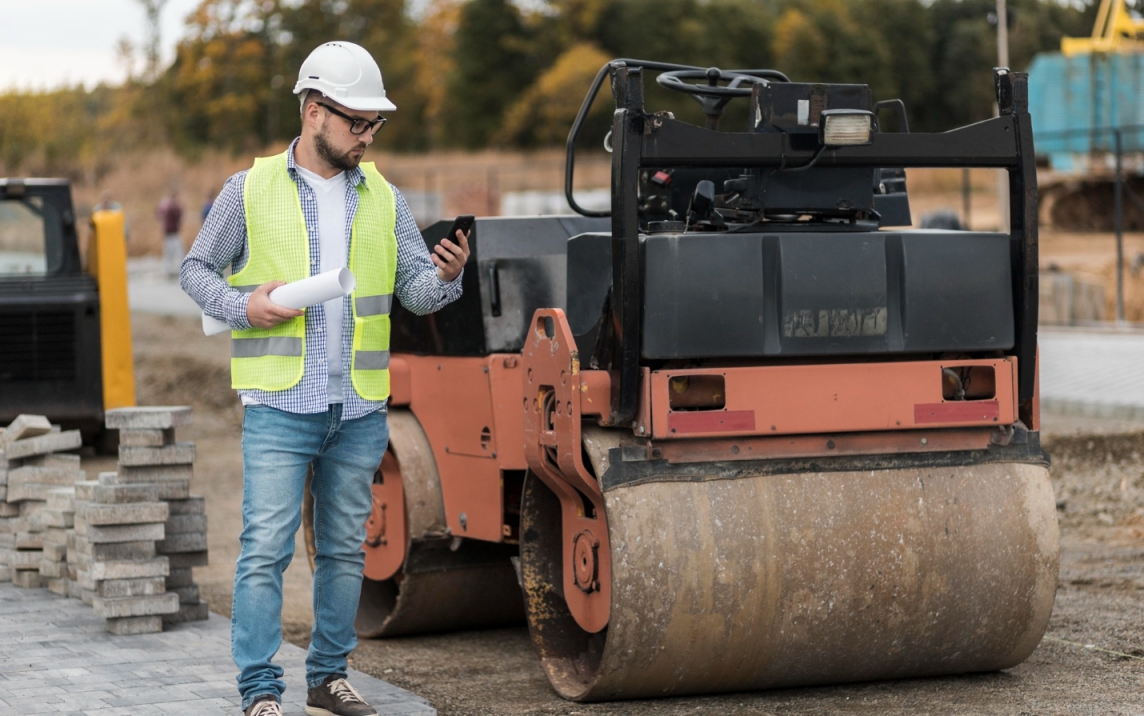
(745,430)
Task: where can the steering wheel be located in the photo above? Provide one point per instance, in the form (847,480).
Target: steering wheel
(712,96)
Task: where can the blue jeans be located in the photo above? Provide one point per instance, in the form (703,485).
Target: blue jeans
(277,449)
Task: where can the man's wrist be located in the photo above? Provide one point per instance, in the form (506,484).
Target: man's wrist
(235,310)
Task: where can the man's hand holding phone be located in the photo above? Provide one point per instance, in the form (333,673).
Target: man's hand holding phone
(450,256)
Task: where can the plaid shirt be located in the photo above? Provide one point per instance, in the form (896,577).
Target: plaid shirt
(222,242)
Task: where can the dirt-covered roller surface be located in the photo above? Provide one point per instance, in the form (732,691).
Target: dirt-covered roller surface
(1090,662)
(757,581)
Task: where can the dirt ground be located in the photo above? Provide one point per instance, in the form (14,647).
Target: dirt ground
(1090,662)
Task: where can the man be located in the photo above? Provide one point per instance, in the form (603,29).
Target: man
(170,214)
(314,383)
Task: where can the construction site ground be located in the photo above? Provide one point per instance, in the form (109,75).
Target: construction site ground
(1090,662)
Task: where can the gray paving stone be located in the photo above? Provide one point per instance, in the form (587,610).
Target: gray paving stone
(62,499)
(125,626)
(188,559)
(27,579)
(64,461)
(32,474)
(182,543)
(180,577)
(194,505)
(54,518)
(51,442)
(25,559)
(180,524)
(144,549)
(53,570)
(32,507)
(188,594)
(148,417)
(147,437)
(173,489)
(188,613)
(29,540)
(186,670)
(128,569)
(24,491)
(174,454)
(116,494)
(155,473)
(131,513)
(57,535)
(24,426)
(118,533)
(150,586)
(139,606)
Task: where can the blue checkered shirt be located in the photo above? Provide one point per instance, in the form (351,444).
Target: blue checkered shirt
(222,242)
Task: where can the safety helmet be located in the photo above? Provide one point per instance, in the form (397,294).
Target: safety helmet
(347,74)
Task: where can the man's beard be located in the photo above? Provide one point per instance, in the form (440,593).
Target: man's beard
(344,162)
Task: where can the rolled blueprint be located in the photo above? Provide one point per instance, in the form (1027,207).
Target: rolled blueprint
(299,294)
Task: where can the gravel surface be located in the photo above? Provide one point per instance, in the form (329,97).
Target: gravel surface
(1090,662)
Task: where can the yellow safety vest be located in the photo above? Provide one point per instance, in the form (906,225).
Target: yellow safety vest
(279,248)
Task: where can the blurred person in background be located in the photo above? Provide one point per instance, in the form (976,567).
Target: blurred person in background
(170,213)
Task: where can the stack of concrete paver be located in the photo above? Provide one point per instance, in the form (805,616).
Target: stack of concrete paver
(32,469)
(58,519)
(118,571)
(149,455)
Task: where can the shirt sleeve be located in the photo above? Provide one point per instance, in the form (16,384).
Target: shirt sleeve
(220,242)
(417,285)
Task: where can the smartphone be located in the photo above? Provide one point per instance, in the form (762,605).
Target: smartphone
(463,223)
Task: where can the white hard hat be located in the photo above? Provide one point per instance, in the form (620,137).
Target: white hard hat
(347,74)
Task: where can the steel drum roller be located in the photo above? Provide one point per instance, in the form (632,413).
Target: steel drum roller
(785,580)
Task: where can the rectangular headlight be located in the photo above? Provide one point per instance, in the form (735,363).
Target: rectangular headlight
(845,127)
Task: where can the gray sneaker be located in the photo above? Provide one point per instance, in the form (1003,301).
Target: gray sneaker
(265,705)
(335,697)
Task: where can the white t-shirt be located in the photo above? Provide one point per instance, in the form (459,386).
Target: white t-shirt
(331,196)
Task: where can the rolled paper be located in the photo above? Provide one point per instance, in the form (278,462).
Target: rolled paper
(299,294)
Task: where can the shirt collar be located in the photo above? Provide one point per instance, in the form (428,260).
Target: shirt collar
(354,176)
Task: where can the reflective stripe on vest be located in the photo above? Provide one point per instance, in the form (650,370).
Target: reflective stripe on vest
(371,360)
(373,305)
(273,359)
(256,347)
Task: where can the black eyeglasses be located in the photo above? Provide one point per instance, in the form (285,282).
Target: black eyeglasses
(357,125)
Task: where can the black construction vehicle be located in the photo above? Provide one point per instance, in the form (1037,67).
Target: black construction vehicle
(64,325)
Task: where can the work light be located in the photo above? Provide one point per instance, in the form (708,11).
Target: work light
(845,127)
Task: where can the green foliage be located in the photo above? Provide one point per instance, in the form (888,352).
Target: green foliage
(473,73)
(494,64)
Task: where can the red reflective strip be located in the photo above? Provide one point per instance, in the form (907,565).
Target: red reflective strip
(957,412)
(711,421)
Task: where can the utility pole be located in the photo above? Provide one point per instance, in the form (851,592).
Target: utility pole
(1002,61)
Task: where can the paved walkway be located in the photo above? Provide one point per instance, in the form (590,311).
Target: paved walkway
(150,290)
(56,658)
(1092,372)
